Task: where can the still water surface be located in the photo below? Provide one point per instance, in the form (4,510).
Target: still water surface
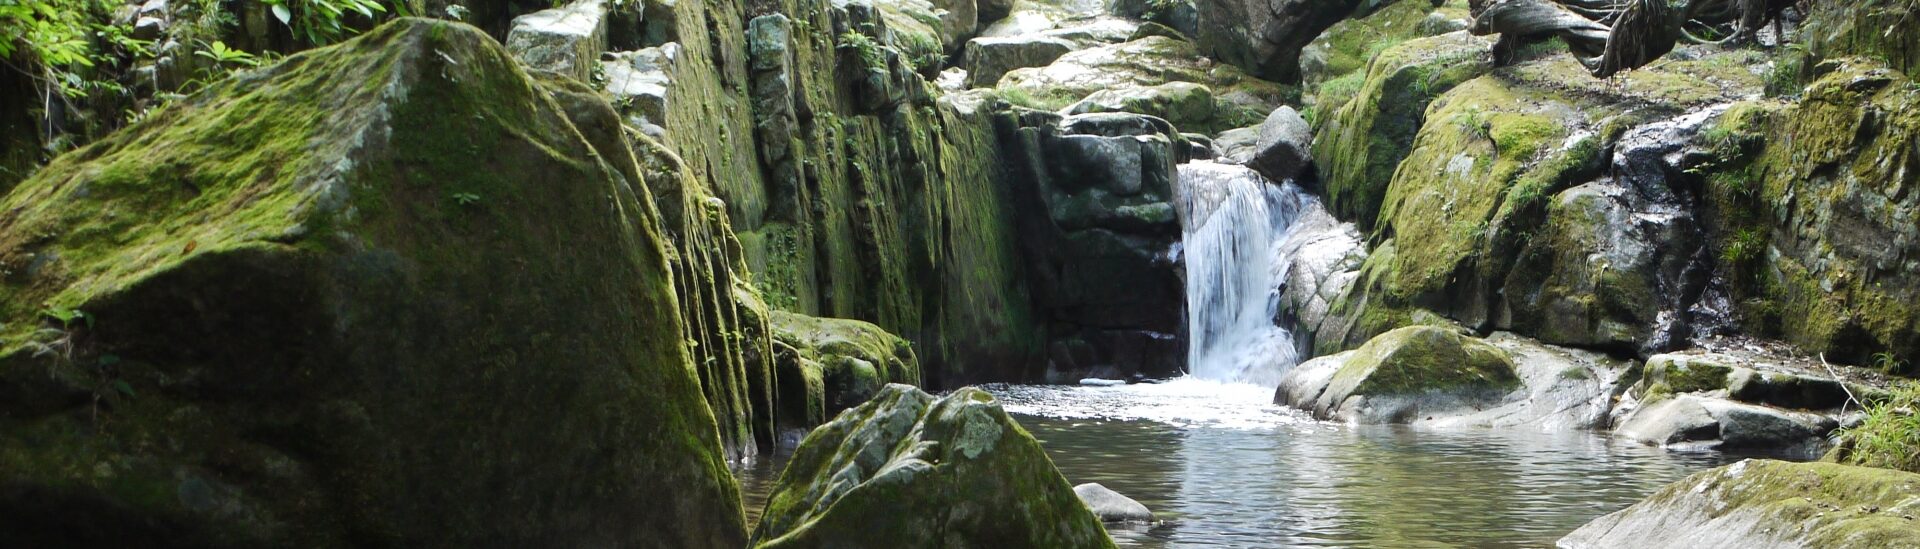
(1225,468)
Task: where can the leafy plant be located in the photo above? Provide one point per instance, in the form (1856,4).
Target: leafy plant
(1889,437)
(1888,362)
(864,48)
(225,56)
(320,22)
(466,199)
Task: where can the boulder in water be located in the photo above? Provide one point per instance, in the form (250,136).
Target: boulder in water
(1112,506)
(826,365)
(909,470)
(1762,503)
(1704,422)
(1402,376)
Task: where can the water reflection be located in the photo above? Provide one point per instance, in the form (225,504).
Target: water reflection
(1229,470)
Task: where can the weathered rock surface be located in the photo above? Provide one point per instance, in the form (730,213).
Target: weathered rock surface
(1185,104)
(311,320)
(987,58)
(1702,423)
(1266,36)
(949,472)
(567,39)
(1761,503)
(1240,100)
(1111,506)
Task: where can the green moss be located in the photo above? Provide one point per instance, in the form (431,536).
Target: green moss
(1419,359)
(1827,505)
(1881,29)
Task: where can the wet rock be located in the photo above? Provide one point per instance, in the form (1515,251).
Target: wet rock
(1285,145)
(567,39)
(1178,15)
(1265,37)
(1150,61)
(987,58)
(1111,506)
(952,471)
(358,312)
(1565,389)
(1326,257)
(1762,503)
(1403,376)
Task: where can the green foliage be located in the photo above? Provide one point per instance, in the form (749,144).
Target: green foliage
(322,22)
(466,199)
(66,43)
(1889,437)
(227,57)
(1889,362)
(923,52)
(864,48)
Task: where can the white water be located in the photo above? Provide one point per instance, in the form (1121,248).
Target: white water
(1233,221)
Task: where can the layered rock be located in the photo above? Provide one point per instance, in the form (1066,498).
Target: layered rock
(1740,400)
(1239,99)
(290,310)
(1759,503)
(954,471)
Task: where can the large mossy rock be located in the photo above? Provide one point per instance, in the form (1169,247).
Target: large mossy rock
(379,293)
(1402,376)
(910,470)
(1761,503)
(1881,29)
(826,365)
(1509,220)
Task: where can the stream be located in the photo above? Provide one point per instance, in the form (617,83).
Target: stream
(1224,468)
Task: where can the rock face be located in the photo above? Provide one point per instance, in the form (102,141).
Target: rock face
(947,472)
(1111,506)
(1240,100)
(1097,228)
(295,313)
(1405,375)
(1266,36)
(1694,422)
(1760,503)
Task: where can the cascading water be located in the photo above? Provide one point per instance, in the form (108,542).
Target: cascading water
(1233,220)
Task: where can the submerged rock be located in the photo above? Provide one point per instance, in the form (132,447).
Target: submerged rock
(1760,503)
(1111,506)
(385,293)
(909,470)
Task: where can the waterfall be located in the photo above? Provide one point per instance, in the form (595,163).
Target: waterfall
(1233,221)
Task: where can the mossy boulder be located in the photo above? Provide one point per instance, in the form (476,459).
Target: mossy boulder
(1185,104)
(379,293)
(1764,503)
(1881,29)
(1364,134)
(850,359)
(1347,47)
(910,470)
(1402,376)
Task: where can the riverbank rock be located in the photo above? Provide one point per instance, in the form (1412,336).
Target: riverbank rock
(1111,506)
(385,293)
(1405,375)
(1702,423)
(1761,503)
(1741,400)
(1239,99)
(954,471)
(987,58)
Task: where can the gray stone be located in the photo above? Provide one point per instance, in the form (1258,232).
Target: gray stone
(638,81)
(1185,104)
(1702,422)
(566,40)
(1285,147)
(1112,506)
